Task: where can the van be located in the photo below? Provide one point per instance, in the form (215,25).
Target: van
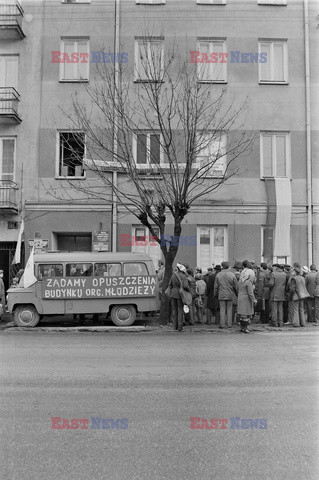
(116,284)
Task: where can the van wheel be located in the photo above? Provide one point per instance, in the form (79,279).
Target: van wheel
(123,315)
(26,316)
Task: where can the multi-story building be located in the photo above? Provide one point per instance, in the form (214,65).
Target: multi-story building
(268,211)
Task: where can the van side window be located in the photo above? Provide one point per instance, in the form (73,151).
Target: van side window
(107,270)
(132,269)
(49,271)
(79,269)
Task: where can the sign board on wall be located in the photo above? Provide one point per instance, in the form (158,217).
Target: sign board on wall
(100,242)
(40,245)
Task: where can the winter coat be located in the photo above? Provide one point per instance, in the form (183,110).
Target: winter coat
(160,276)
(192,285)
(225,285)
(277,285)
(212,301)
(2,292)
(246,298)
(312,281)
(201,287)
(262,288)
(298,286)
(176,284)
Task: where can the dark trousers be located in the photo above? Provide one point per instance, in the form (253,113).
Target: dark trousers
(177,313)
(264,314)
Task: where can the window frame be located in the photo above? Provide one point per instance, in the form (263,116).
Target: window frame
(197,164)
(275,133)
(284,42)
(8,137)
(148,165)
(147,41)
(57,170)
(75,41)
(211,228)
(212,41)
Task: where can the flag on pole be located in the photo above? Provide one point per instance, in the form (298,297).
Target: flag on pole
(28,277)
(17,255)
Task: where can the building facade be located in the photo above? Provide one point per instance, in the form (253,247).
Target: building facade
(269,211)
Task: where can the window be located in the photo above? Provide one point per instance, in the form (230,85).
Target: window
(275,69)
(275,154)
(49,271)
(212,151)
(211,246)
(150,2)
(134,269)
(144,242)
(149,59)
(9,71)
(267,247)
(212,50)
(75,60)
(7,154)
(272,2)
(211,2)
(107,270)
(71,154)
(81,242)
(79,269)
(147,149)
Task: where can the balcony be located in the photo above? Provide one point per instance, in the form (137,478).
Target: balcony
(8,196)
(9,99)
(11,14)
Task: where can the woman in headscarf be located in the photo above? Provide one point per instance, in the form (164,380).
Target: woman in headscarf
(178,279)
(246,298)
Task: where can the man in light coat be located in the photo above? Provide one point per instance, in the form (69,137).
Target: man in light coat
(226,289)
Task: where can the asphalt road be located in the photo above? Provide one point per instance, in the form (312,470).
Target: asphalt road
(158,382)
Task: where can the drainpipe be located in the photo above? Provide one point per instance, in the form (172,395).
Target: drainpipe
(115,126)
(308,136)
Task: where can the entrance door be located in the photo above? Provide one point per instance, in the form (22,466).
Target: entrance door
(7,251)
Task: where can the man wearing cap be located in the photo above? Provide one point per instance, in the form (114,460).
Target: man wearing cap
(312,285)
(212,301)
(277,284)
(2,294)
(226,289)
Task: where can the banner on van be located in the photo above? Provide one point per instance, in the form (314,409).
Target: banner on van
(98,287)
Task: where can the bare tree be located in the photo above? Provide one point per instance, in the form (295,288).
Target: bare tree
(171,136)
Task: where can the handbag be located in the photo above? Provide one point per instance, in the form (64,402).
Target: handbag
(168,291)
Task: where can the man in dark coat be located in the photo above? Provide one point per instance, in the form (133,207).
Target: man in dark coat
(277,284)
(312,285)
(262,290)
(212,301)
(2,294)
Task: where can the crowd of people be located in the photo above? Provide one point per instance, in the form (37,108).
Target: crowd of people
(280,294)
